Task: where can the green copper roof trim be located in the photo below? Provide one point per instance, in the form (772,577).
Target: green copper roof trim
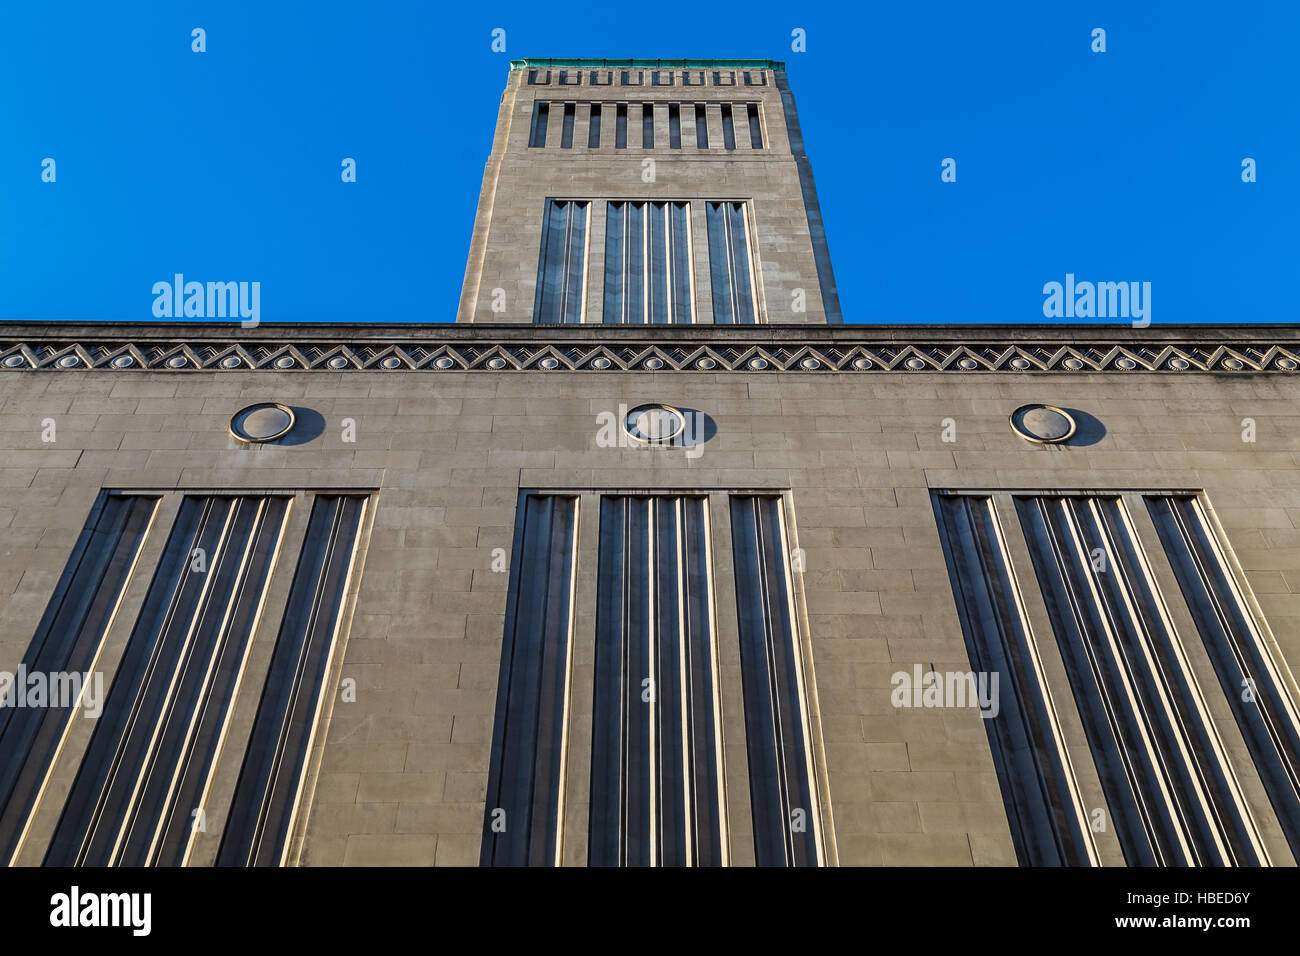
(584,63)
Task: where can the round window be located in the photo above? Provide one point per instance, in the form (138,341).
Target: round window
(654,424)
(262,423)
(1043,424)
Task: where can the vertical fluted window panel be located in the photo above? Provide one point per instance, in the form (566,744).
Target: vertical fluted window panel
(624,263)
(620,126)
(647,263)
(1046,822)
(674,126)
(154,748)
(593,127)
(537,132)
(68,639)
(755,127)
(525,797)
(1172,795)
(728,127)
(566,131)
(782,797)
(729,265)
(267,796)
(647,126)
(656,763)
(658,238)
(1252,680)
(562,267)
(701,126)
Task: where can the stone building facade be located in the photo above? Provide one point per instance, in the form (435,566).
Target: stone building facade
(649,591)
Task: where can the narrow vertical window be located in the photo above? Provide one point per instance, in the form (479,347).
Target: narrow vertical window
(701,127)
(787,828)
(566,132)
(679,306)
(729,265)
(561,271)
(593,127)
(647,263)
(537,135)
(656,762)
(620,126)
(728,128)
(524,810)
(647,126)
(755,127)
(624,263)
(674,126)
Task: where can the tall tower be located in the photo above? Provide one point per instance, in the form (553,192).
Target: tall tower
(648,192)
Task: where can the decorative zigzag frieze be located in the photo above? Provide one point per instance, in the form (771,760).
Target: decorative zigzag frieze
(493,354)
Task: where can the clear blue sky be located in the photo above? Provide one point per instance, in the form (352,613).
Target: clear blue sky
(225,165)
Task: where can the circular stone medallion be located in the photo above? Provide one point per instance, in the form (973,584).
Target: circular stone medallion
(262,423)
(1044,424)
(654,424)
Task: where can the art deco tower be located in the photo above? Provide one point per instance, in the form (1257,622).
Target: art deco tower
(648,192)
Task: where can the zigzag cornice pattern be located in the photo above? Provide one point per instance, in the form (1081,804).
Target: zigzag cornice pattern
(125,347)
